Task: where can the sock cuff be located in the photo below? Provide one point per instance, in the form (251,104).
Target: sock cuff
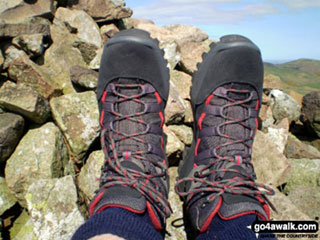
(120,222)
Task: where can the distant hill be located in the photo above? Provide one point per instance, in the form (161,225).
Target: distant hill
(301,75)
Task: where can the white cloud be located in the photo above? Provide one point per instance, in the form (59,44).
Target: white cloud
(300,4)
(202,11)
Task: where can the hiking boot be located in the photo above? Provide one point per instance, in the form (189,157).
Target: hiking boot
(217,176)
(132,92)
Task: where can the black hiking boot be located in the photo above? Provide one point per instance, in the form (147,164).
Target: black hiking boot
(217,176)
(132,92)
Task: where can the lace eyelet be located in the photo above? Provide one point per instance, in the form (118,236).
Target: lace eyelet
(203,205)
(196,174)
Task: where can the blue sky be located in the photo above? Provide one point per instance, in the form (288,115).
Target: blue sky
(283,29)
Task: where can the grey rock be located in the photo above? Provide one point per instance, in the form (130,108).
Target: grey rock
(61,56)
(182,83)
(77,116)
(175,109)
(270,165)
(278,134)
(87,30)
(311,112)
(184,133)
(7,199)
(174,147)
(102,10)
(134,22)
(22,228)
(171,54)
(286,210)
(11,54)
(31,44)
(307,199)
(89,175)
(108,31)
(27,26)
(191,54)
(1,61)
(297,149)
(95,63)
(284,106)
(24,71)
(52,204)
(176,205)
(88,50)
(11,129)
(188,116)
(84,77)
(17,10)
(40,154)
(187,33)
(304,172)
(25,101)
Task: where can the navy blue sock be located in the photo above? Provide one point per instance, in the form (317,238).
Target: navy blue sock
(118,222)
(232,229)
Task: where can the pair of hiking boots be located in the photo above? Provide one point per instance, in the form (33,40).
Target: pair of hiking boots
(217,176)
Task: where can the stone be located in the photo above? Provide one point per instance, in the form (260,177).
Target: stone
(297,149)
(296,96)
(86,29)
(188,116)
(89,175)
(174,111)
(272,81)
(77,116)
(95,63)
(22,228)
(17,10)
(191,54)
(134,22)
(176,205)
(27,26)
(84,77)
(182,82)
(32,44)
(88,50)
(284,106)
(25,101)
(186,33)
(7,199)
(286,210)
(1,61)
(278,134)
(270,165)
(102,10)
(307,199)
(160,33)
(40,154)
(171,54)
(52,204)
(304,172)
(108,31)
(24,71)
(11,54)
(11,129)
(183,132)
(61,56)
(174,147)
(311,112)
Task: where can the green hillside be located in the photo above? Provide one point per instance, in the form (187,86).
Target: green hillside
(301,76)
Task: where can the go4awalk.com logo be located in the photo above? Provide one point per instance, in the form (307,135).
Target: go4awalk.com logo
(285,229)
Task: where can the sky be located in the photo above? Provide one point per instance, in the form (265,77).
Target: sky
(283,29)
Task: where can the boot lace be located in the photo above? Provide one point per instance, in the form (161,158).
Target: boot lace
(113,172)
(211,165)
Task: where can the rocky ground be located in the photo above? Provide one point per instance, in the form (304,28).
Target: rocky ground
(50,155)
